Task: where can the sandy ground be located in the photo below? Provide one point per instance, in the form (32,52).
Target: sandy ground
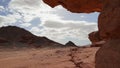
(48,58)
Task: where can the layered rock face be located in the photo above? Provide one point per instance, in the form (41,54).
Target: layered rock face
(108,24)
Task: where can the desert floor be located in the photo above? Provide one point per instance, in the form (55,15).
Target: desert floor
(70,57)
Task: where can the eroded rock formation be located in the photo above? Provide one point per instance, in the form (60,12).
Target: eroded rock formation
(77,6)
(94,37)
(108,25)
(96,40)
(109,28)
(109,20)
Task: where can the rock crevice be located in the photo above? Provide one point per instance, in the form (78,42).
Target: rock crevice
(72,59)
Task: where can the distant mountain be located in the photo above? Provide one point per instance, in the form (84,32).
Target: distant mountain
(70,43)
(12,36)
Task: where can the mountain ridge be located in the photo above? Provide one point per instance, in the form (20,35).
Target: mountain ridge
(13,36)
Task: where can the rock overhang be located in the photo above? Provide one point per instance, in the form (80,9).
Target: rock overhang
(78,6)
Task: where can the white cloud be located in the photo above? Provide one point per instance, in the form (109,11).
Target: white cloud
(8,20)
(54,24)
(25,4)
(31,9)
(63,31)
(1,8)
(25,24)
(35,30)
(26,8)
(68,24)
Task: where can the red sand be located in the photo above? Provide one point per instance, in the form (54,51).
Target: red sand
(48,58)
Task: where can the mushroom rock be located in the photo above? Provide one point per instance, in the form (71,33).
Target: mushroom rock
(77,6)
(108,25)
(96,40)
(94,37)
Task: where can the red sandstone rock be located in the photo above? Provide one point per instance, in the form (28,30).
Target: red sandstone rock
(94,37)
(78,6)
(109,20)
(109,28)
(98,44)
(108,55)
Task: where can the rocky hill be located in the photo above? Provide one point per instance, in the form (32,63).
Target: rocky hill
(12,36)
(70,44)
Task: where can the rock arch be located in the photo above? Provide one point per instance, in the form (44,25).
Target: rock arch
(108,25)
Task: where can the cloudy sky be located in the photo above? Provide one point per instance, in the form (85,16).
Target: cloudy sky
(56,23)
